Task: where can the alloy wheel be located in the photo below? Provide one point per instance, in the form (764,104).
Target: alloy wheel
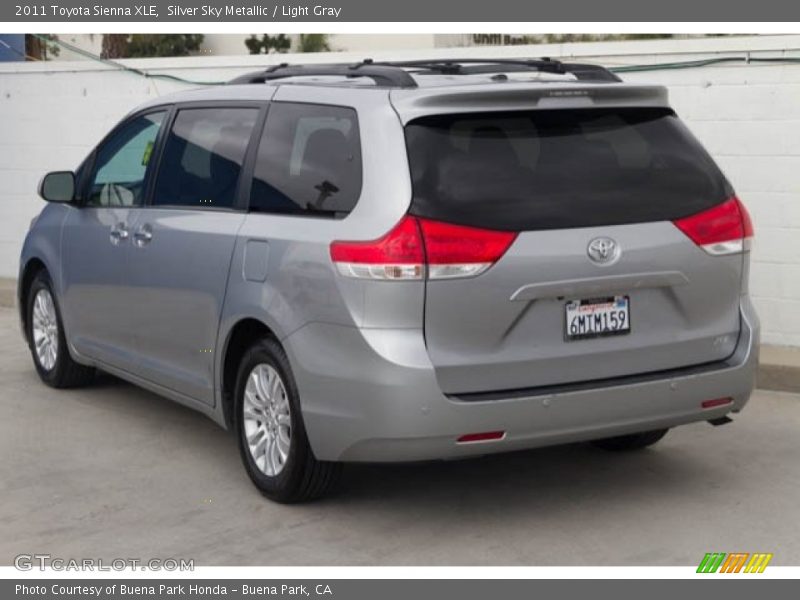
(267,419)
(45,329)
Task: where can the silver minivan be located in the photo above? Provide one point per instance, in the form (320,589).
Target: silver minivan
(400,262)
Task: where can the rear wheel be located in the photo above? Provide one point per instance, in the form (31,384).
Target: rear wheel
(634,441)
(47,341)
(270,431)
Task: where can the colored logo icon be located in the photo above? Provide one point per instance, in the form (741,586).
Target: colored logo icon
(735,562)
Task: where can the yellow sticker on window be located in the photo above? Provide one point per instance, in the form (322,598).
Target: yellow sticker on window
(148,151)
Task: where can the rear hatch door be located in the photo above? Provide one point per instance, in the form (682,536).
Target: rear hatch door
(599,282)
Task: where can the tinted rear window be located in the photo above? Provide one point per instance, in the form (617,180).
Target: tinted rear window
(554,169)
(203,157)
(309,161)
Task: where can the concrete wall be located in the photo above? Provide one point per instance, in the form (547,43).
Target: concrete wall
(748,115)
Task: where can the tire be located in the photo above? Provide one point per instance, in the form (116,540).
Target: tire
(56,369)
(267,414)
(634,441)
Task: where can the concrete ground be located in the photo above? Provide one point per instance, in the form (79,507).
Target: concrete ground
(114,471)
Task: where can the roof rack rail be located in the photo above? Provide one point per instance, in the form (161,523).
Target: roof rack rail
(383,75)
(395,74)
(589,72)
(467,66)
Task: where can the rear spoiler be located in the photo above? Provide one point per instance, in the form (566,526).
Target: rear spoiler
(511,96)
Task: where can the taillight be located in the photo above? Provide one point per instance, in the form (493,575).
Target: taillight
(417,245)
(397,255)
(722,229)
(458,251)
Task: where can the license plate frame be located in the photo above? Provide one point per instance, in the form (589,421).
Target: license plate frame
(590,331)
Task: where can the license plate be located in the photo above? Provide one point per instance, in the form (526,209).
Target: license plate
(597,317)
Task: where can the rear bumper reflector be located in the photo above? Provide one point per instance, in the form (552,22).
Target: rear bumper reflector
(486,436)
(716,402)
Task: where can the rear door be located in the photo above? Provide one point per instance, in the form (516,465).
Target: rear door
(599,282)
(182,243)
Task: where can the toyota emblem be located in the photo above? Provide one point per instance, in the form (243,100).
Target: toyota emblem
(603,250)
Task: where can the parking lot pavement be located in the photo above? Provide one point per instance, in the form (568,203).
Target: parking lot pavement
(113,471)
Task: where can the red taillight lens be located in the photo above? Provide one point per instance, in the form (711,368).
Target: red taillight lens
(397,255)
(722,229)
(486,436)
(747,222)
(448,251)
(402,245)
(716,402)
(458,251)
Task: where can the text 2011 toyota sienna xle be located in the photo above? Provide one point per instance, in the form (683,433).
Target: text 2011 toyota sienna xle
(397,262)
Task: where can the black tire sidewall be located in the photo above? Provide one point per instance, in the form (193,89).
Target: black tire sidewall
(54,375)
(282,486)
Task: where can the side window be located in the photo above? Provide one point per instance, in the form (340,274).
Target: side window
(203,157)
(308,162)
(118,175)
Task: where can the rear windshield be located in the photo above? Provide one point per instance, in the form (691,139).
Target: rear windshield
(551,169)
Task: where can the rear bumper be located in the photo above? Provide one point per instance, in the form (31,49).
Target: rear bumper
(372,395)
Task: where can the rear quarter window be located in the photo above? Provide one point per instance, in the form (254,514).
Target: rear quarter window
(553,169)
(308,161)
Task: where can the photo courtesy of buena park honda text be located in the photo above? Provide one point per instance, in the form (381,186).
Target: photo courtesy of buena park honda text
(359,300)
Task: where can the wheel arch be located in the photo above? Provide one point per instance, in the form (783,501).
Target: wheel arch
(241,336)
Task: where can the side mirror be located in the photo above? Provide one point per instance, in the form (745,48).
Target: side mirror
(58,186)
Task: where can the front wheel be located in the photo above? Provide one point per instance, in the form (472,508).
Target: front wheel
(47,340)
(270,430)
(634,441)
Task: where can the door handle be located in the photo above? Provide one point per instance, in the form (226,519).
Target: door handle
(118,233)
(143,235)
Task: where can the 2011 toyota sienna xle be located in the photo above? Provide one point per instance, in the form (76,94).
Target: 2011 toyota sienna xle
(400,262)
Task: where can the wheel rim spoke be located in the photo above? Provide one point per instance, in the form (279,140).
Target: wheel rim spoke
(266,379)
(252,413)
(254,438)
(260,446)
(284,441)
(275,385)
